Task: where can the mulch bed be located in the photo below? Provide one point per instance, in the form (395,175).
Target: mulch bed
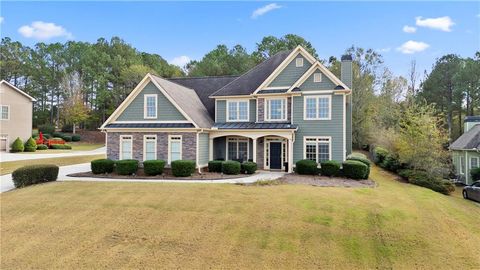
(323,181)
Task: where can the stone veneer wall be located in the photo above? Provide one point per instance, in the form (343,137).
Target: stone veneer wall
(189,144)
(261,109)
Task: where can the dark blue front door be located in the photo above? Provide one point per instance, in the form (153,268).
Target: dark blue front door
(275,155)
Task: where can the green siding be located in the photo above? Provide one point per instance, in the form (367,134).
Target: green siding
(332,128)
(291,73)
(221,110)
(325,84)
(467,155)
(203,140)
(166,110)
(349,124)
(253,110)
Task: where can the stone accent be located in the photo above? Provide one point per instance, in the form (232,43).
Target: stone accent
(189,144)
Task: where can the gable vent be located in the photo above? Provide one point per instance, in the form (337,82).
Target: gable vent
(299,62)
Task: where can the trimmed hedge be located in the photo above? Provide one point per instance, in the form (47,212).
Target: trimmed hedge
(58,134)
(30,145)
(306,166)
(153,167)
(183,168)
(330,168)
(379,154)
(42,147)
(475,173)
(364,160)
(357,155)
(47,136)
(100,166)
(355,169)
(17,146)
(391,163)
(61,146)
(46,128)
(34,174)
(76,138)
(249,167)
(67,138)
(231,167)
(126,166)
(215,166)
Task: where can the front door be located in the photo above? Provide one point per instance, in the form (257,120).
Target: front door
(276,155)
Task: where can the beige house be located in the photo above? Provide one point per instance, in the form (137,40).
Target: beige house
(16,109)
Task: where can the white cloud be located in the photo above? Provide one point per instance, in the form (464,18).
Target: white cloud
(1,19)
(411,47)
(43,31)
(440,23)
(263,10)
(409,29)
(180,61)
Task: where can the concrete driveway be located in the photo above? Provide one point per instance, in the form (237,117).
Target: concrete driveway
(5,156)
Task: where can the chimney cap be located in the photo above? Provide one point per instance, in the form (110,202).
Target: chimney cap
(346,57)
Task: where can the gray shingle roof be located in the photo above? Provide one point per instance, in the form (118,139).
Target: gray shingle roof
(252,79)
(468,140)
(204,87)
(252,125)
(272,91)
(150,125)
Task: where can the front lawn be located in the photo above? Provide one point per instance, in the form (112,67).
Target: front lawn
(149,225)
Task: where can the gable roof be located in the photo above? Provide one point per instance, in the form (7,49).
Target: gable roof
(469,140)
(325,71)
(247,83)
(204,87)
(18,90)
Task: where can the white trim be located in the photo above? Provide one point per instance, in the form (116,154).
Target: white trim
(196,152)
(238,110)
(145,110)
(344,122)
(472,158)
(298,62)
(284,147)
(216,106)
(145,145)
(18,90)
(311,70)
(149,122)
(266,108)
(291,109)
(170,146)
(1,112)
(150,129)
(317,77)
(237,140)
(317,97)
(276,87)
(322,92)
(316,150)
(122,138)
(256,110)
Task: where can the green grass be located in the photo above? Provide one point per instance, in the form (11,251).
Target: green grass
(10,166)
(76,146)
(149,225)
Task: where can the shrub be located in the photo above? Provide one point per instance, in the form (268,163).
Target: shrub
(67,128)
(364,160)
(46,128)
(329,168)
(58,134)
(355,169)
(30,145)
(61,146)
(306,166)
(42,147)
(34,174)
(379,154)
(249,167)
(99,166)
(67,138)
(231,167)
(405,173)
(424,179)
(47,136)
(153,167)
(358,155)
(76,138)
(126,166)
(391,163)
(17,146)
(475,173)
(215,166)
(183,168)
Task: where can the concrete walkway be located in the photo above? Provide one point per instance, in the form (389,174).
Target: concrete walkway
(5,156)
(7,183)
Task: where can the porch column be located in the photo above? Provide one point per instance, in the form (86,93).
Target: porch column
(290,155)
(210,149)
(254,149)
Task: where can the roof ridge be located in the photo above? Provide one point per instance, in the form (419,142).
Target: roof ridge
(203,77)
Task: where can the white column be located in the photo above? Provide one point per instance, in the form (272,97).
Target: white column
(254,149)
(290,155)
(210,149)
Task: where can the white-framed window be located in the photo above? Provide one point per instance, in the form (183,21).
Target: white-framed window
(174,148)
(4,112)
(276,109)
(317,149)
(317,108)
(462,164)
(126,147)
(237,148)
(299,62)
(238,110)
(473,162)
(149,147)
(317,77)
(150,106)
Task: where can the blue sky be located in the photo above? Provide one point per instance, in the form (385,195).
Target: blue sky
(400,31)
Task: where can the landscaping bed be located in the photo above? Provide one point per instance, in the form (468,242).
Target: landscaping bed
(324,181)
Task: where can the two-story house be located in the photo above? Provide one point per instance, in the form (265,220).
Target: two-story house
(288,108)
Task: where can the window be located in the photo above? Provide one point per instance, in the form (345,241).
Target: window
(317,77)
(174,148)
(149,147)
(317,108)
(126,147)
(4,112)
(462,164)
(237,110)
(317,149)
(276,109)
(150,106)
(473,162)
(299,62)
(237,148)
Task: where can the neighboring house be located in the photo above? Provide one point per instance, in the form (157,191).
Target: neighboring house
(288,108)
(16,109)
(466,149)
